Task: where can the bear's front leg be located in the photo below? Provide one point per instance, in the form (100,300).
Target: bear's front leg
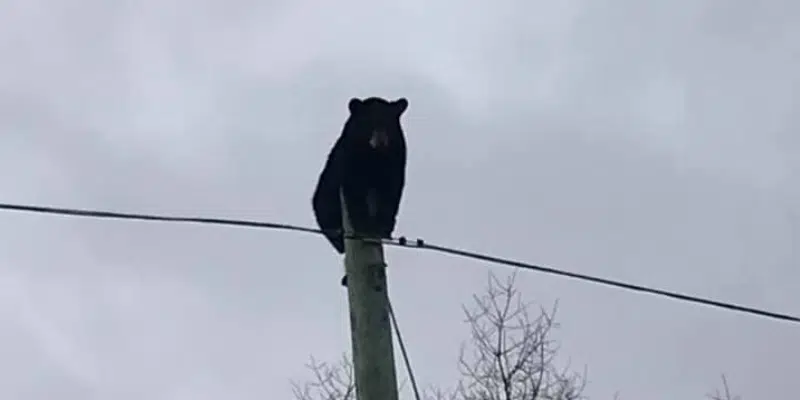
(355,197)
(390,195)
(383,220)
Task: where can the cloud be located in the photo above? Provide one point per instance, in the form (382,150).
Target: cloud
(646,142)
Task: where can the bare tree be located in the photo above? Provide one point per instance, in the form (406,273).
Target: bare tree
(510,356)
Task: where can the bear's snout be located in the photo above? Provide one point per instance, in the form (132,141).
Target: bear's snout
(379,139)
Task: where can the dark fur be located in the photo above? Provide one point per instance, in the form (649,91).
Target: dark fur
(360,170)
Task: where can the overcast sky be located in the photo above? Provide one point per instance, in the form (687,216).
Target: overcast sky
(654,142)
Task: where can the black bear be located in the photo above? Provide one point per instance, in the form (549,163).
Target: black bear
(368,164)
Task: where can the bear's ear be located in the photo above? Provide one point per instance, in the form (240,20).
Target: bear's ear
(400,105)
(354,105)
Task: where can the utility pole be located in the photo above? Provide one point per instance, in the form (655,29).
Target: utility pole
(370,328)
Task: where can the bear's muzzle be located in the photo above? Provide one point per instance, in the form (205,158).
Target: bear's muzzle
(379,139)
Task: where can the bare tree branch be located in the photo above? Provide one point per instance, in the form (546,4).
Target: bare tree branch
(331,382)
(726,394)
(437,393)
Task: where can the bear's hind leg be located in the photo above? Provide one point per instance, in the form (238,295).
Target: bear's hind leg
(328,212)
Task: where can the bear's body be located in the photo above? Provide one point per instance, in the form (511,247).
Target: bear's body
(367,163)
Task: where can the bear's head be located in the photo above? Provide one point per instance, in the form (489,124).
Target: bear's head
(376,121)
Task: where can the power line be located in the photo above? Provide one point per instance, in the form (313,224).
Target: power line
(403,350)
(619,284)
(150,217)
(402,242)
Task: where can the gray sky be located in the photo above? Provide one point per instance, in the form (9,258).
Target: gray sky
(647,141)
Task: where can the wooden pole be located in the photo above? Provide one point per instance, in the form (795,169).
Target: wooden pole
(371,331)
